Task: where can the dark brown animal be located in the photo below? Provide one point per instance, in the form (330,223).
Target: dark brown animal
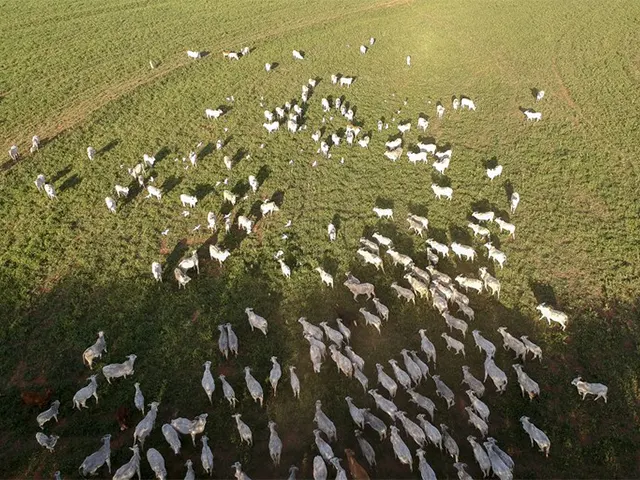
(36,398)
(123,416)
(356,470)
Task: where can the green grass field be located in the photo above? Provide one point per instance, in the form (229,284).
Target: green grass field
(77,73)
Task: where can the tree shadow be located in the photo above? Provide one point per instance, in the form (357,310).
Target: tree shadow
(429,139)
(201,190)
(440,179)
(241,188)
(161,154)
(238,156)
(278,198)
(459,234)
(543,292)
(336,221)
(60,174)
(207,150)
(490,163)
(383,202)
(419,209)
(171,183)
(508,190)
(73,181)
(109,146)
(175,256)
(263,174)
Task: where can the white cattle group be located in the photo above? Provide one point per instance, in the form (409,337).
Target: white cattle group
(411,282)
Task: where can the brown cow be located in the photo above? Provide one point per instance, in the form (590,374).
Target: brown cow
(356,470)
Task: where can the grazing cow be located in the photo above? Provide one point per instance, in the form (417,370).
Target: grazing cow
(267,67)
(122,191)
(50,191)
(91,153)
(440,110)
(408,60)
(346,81)
(530,115)
(515,200)
(40,181)
(192,54)
(363,49)
(111,204)
(297,55)
(383,212)
(467,102)
(154,192)
(439,191)
(188,200)
(210,113)
(494,172)
(423,123)
(539,95)
(272,127)
(35,144)
(230,55)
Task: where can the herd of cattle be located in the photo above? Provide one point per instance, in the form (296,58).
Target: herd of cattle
(422,283)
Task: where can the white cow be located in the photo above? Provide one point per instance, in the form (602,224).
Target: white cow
(509,227)
(154,192)
(297,55)
(272,126)
(111,204)
(463,251)
(483,216)
(393,155)
(13,153)
(188,200)
(122,191)
(50,191)
(515,200)
(428,147)
(346,81)
(439,191)
(363,49)
(584,389)
(394,144)
(467,102)
(530,115)
(496,255)
(383,212)
(417,157)
(192,54)
(494,172)
(553,315)
(40,181)
(539,95)
(440,110)
(210,113)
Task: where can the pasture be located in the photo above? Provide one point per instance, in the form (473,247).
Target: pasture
(77,73)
